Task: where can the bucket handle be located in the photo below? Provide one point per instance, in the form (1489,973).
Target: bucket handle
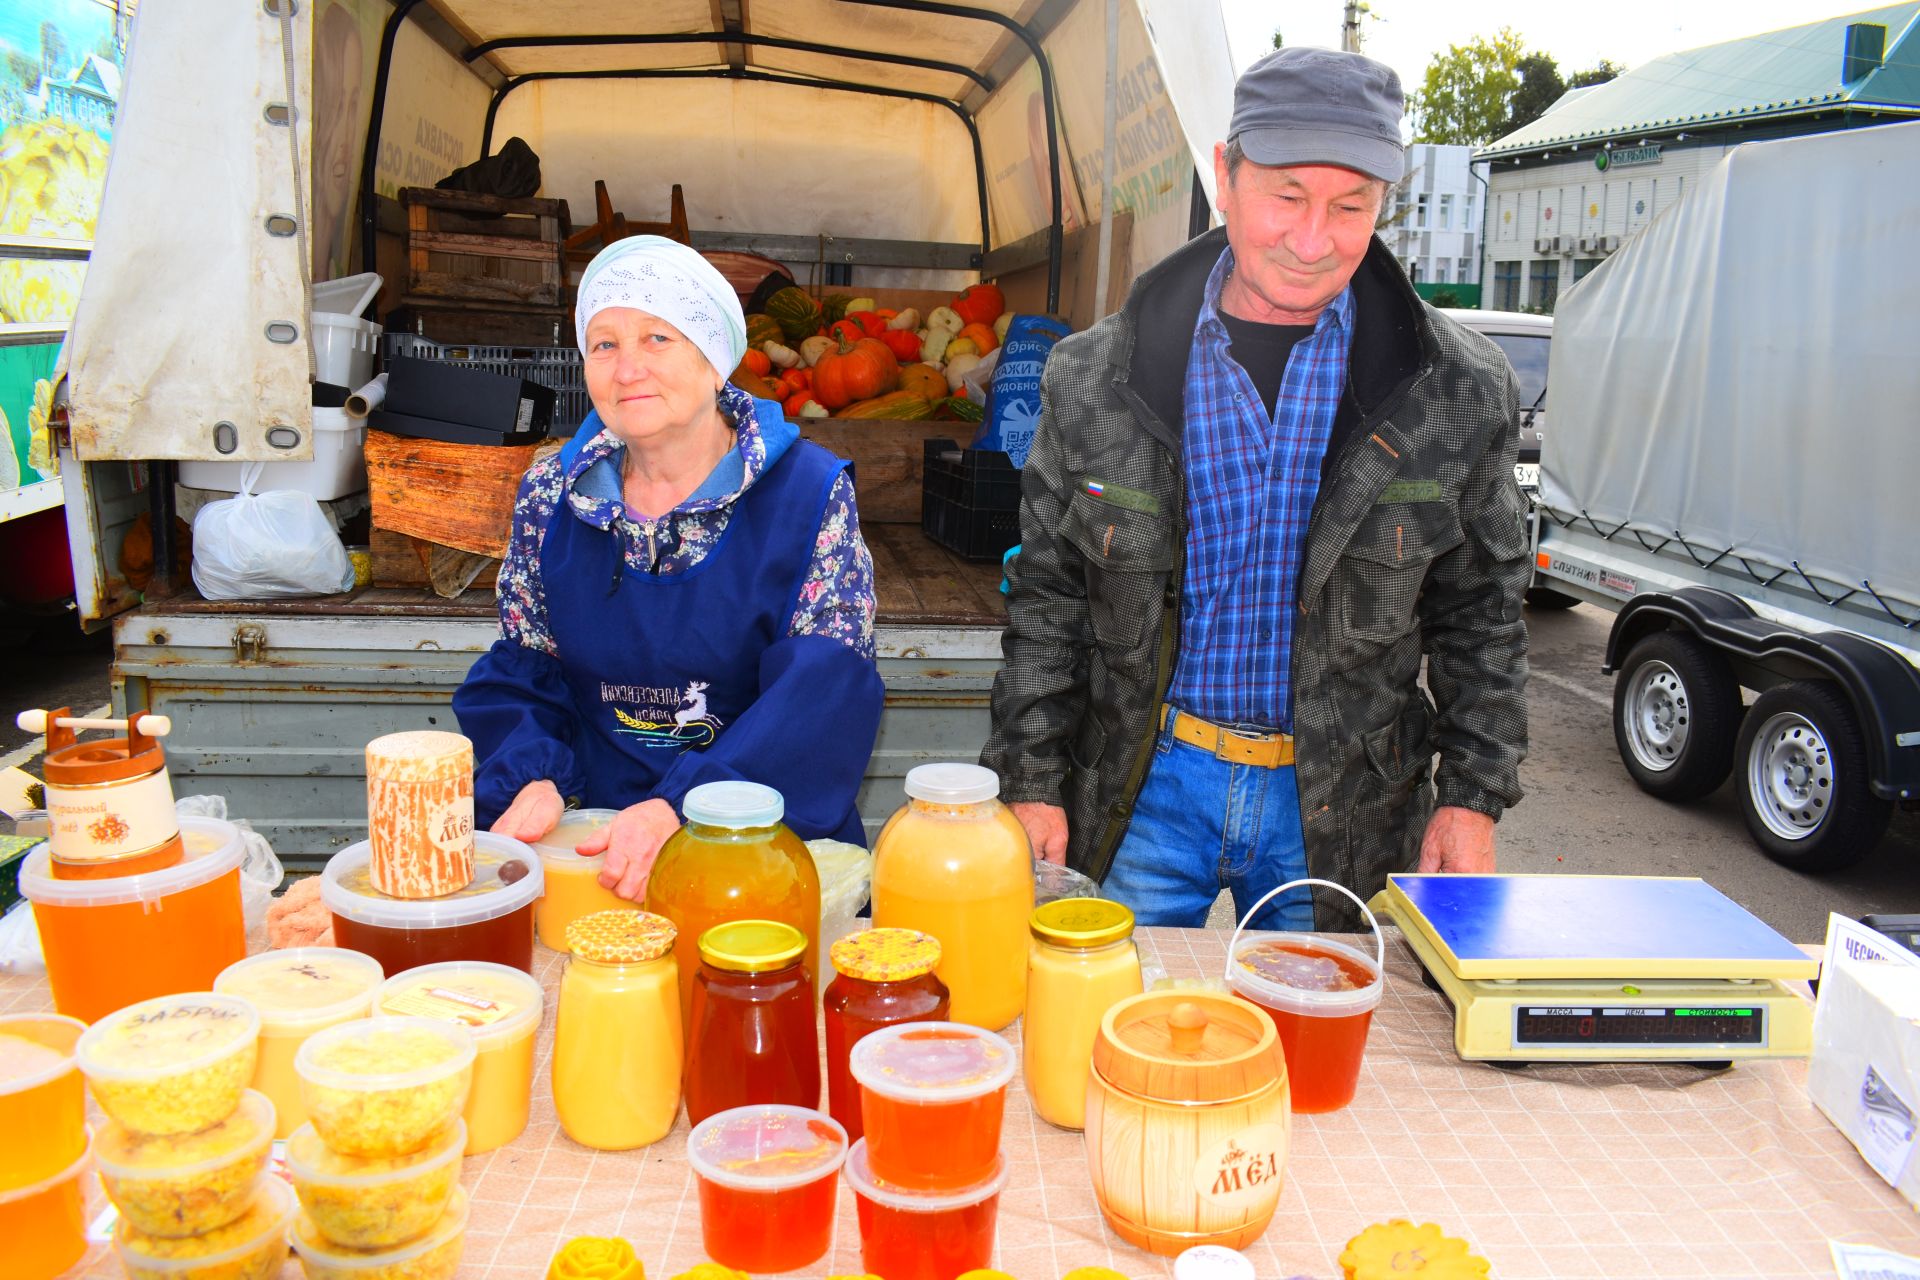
(1379,939)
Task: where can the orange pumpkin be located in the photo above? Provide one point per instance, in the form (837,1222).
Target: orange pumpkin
(756,363)
(979,304)
(796,402)
(924,381)
(855,371)
(981,335)
(752,383)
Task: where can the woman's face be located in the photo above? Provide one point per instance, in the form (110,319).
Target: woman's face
(646,379)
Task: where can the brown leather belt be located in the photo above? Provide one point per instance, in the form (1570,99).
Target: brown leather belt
(1261,750)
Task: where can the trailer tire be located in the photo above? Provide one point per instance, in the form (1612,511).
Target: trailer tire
(1804,791)
(1548,598)
(1676,716)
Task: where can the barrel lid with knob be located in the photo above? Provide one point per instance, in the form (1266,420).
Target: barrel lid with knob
(1188,1047)
(70,762)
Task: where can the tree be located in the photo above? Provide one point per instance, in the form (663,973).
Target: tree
(1463,99)
(53,50)
(1276,38)
(1600,73)
(1540,87)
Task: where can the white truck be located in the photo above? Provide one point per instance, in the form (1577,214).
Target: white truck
(1732,469)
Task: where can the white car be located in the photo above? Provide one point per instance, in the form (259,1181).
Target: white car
(1525,338)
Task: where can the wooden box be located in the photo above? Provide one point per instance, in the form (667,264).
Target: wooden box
(458,495)
(477,248)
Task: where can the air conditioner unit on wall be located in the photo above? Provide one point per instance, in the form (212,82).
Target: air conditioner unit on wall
(1589,244)
(1609,243)
(1543,245)
(1563,245)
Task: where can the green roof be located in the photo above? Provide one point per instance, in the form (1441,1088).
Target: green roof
(1779,73)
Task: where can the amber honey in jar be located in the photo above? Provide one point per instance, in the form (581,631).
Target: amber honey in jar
(753,1038)
(881,977)
(491,919)
(733,860)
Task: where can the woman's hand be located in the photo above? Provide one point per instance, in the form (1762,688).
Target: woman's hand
(632,841)
(533,813)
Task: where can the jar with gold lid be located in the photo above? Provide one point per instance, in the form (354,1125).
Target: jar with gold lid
(1081,963)
(881,977)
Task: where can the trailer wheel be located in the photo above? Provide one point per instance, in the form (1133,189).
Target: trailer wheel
(1806,798)
(1548,598)
(1676,715)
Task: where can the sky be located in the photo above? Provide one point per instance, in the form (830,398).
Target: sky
(1407,33)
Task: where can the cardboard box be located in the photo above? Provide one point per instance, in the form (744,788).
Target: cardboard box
(1864,1072)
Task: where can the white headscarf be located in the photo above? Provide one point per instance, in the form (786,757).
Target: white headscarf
(668,280)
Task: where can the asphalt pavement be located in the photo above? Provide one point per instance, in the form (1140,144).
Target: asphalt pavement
(1582,813)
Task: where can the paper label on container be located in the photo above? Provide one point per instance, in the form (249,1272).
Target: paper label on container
(448,1006)
(1885,1126)
(451,826)
(1242,1173)
(1864,1262)
(86,824)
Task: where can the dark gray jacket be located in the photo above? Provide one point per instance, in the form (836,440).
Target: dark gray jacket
(1417,545)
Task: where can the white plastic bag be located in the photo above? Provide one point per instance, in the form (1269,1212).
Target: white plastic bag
(260,869)
(20,942)
(256,546)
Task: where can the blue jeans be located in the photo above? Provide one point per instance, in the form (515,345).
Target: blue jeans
(1201,825)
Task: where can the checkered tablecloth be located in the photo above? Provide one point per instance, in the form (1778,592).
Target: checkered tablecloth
(1589,1172)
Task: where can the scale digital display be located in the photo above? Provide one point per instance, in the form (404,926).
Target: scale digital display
(1656,1027)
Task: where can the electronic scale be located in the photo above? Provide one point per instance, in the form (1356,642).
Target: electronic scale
(1559,968)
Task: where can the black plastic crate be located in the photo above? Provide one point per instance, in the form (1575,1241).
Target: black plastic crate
(969,500)
(556,367)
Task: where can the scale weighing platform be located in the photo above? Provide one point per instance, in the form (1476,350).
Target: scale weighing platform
(1560,968)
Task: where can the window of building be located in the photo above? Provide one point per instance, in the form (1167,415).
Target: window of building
(1420,211)
(1543,284)
(1466,271)
(1440,272)
(1582,266)
(1446,213)
(1506,286)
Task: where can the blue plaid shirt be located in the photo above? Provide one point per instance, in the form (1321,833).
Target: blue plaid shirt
(1251,481)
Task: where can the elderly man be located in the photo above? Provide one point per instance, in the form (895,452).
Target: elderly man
(1259,493)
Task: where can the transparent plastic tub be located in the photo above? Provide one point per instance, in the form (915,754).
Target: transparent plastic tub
(176,1064)
(190,1183)
(43,1224)
(43,1106)
(932,1102)
(370,1203)
(434,1256)
(297,992)
(251,1247)
(385,1086)
(501,1006)
(767,1177)
(908,1235)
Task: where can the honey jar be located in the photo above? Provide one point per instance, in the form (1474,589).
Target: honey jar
(109,801)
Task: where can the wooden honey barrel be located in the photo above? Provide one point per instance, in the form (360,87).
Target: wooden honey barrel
(1187,1120)
(420,813)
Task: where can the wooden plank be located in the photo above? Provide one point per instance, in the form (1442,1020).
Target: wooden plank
(439,284)
(473,202)
(937,576)
(368,602)
(544,251)
(918,582)
(409,483)
(893,585)
(887,461)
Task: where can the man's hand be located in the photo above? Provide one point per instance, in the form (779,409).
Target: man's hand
(1458,840)
(632,841)
(1046,826)
(533,813)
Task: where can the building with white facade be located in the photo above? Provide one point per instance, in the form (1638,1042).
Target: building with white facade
(1570,188)
(1433,219)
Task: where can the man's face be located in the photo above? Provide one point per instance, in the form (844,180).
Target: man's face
(1298,233)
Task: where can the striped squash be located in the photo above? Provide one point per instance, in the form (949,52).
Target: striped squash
(895,406)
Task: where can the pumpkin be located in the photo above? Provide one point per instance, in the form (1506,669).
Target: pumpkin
(848,330)
(762,329)
(801,379)
(855,371)
(834,306)
(905,347)
(796,402)
(977,304)
(795,311)
(757,362)
(959,409)
(981,336)
(811,349)
(895,406)
(923,380)
(871,323)
(753,384)
(908,320)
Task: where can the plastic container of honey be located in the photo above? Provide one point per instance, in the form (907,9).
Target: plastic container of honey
(491,919)
(932,1099)
(362,1202)
(501,1007)
(186,1184)
(385,1086)
(43,1108)
(1321,995)
(251,1247)
(297,992)
(882,977)
(573,882)
(434,1256)
(44,1224)
(767,1176)
(176,1064)
(907,1235)
(111,943)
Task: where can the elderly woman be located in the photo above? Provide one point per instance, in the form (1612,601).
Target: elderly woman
(686,595)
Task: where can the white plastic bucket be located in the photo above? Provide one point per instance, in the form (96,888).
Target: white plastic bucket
(343,348)
(338,467)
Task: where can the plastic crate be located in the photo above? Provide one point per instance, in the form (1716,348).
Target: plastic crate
(969,500)
(556,367)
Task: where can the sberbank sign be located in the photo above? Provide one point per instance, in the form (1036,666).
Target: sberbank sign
(1622,157)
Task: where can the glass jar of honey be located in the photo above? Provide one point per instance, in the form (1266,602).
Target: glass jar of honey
(733,860)
(955,863)
(882,977)
(1082,963)
(753,1038)
(616,1043)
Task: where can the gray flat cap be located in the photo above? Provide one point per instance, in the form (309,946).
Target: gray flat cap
(1319,106)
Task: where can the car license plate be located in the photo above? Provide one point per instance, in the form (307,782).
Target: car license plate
(1528,474)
